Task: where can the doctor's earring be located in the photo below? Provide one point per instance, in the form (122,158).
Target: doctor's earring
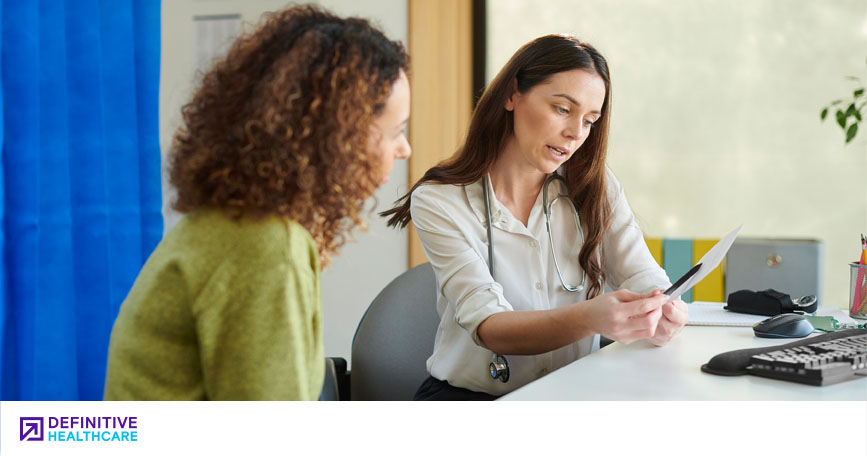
(499,368)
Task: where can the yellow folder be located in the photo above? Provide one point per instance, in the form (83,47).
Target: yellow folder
(712,287)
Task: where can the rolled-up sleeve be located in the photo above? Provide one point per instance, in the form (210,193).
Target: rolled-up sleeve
(462,275)
(629,263)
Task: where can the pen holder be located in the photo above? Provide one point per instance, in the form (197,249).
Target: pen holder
(858,291)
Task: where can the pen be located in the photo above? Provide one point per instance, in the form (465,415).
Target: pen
(683,279)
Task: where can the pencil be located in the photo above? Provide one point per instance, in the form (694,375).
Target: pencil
(863,249)
(862,309)
(859,300)
(861,282)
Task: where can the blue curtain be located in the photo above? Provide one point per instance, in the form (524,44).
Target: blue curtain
(80,192)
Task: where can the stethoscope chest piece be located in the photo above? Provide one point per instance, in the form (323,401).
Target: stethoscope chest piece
(499,368)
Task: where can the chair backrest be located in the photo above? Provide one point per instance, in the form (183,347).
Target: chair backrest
(395,338)
(329,385)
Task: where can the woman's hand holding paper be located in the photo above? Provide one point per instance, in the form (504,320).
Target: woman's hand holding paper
(624,316)
(674,316)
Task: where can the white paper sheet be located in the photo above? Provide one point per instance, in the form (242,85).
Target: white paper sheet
(714,314)
(708,262)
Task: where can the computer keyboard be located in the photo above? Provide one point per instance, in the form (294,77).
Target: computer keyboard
(820,363)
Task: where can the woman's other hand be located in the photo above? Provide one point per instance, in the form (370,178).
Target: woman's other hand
(674,316)
(625,316)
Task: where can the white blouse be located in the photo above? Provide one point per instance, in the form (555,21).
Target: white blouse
(451,222)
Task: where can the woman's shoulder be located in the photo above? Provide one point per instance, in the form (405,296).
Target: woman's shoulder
(611,180)
(271,239)
(279,240)
(613,187)
(444,203)
(436,195)
(438,190)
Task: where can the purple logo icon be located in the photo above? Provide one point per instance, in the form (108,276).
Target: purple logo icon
(31,428)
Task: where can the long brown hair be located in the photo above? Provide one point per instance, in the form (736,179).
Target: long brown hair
(492,125)
(279,126)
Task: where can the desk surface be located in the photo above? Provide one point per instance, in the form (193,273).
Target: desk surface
(641,371)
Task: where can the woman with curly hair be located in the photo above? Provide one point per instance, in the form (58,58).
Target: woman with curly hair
(282,144)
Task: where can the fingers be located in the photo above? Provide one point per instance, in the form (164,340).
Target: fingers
(664,332)
(671,313)
(667,327)
(643,327)
(677,314)
(634,316)
(645,305)
(624,295)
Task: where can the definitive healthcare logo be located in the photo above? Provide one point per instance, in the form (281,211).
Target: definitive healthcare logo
(79,429)
(31,428)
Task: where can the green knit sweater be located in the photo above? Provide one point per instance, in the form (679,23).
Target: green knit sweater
(222,310)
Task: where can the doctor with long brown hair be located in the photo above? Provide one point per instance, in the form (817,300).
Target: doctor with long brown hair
(520,287)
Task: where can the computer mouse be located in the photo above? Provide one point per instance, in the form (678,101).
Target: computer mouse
(783,326)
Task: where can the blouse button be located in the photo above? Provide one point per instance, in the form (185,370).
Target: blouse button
(538,285)
(534,244)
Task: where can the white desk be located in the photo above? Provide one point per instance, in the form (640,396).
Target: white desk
(641,371)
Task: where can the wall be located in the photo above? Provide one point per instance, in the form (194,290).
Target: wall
(378,255)
(716,112)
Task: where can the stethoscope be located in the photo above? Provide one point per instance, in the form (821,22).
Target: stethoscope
(499,366)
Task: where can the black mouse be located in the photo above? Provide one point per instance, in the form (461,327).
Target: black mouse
(783,326)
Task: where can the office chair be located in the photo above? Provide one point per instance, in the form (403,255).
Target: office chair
(395,338)
(330,387)
(392,343)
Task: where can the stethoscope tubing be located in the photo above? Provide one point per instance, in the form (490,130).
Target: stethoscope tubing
(499,366)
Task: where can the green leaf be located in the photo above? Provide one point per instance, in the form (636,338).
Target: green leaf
(850,134)
(858,92)
(841,119)
(850,111)
(853,78)
(824,113)
(836,102)
(857,115)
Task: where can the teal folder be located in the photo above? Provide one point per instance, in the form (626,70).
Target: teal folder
(677,260)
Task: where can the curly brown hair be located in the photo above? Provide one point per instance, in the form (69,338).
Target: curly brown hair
(280,125)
